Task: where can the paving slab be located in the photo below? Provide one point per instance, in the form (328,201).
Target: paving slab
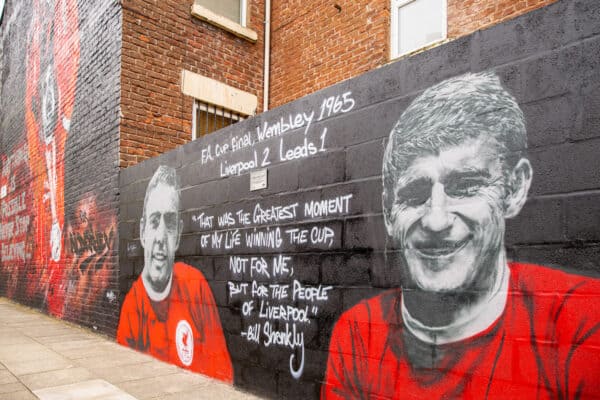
(115,359)
(60,347)
(58,377)
(23,395)
(167,384)
(48,330)
(7,389)
(6,377)
(26,352)
(40,365)
(92,350)
(64,336)
(86,390)
(206,393)
(124,373)
(14,340)
(43,358)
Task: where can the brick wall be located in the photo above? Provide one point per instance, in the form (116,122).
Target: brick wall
(59,158)
(326,149)
(465,17)
(316,44)
(160,38)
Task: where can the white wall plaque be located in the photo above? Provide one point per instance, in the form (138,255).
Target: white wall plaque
(258,179)
(3,192)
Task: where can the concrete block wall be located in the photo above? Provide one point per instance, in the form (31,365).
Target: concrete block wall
(284,263)
(59,128)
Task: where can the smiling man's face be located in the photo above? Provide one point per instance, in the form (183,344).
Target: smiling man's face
(160,229)
(447,217)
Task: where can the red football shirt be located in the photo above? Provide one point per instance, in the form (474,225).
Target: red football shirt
(545,345)
(184,329)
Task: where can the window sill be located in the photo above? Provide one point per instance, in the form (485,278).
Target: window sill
(426,47)
(224,23)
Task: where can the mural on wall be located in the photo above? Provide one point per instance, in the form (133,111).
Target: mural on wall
(170,311)
(90,241)
(279,296)
(52,64)
(15,234)
(466,267)
(278,301)
(463,322)
(54,254)
(466,322)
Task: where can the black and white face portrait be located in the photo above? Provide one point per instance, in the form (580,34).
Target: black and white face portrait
(446,198)
(160,231)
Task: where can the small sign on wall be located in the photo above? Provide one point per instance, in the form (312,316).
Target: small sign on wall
(133,250)
(3,192)
(258,179)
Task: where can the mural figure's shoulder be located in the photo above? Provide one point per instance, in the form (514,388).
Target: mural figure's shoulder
(381,308)
(563,305)
(186,272)
(539,278)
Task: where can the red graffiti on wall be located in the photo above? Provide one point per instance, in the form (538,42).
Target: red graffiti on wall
(15,234)
(52,64)
(89,241)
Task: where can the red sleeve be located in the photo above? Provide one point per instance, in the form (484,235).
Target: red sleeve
(212,358)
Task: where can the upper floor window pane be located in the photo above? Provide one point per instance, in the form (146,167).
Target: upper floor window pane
(234,10)
(416,24)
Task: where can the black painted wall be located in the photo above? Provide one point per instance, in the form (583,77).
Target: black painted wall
(332,149)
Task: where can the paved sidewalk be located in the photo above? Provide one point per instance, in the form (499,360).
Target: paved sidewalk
(45,358)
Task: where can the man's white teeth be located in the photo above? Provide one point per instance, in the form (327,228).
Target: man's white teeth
(440,250)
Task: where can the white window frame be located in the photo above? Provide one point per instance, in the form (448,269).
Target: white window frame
(243,13)
(2,4)
(394,40)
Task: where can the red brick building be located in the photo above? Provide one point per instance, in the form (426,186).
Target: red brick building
(312,45)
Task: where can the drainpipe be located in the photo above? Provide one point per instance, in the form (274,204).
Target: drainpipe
(267,61)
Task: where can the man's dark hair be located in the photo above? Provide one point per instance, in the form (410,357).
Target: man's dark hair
(465,107)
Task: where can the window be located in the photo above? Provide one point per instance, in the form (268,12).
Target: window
(416,24)
(234,10)
(209,118)
(216,105)
(226,14)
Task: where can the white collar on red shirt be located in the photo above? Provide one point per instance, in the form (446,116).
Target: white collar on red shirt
(153,294)
(476,320)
